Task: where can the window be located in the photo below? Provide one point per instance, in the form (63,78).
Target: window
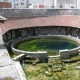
(72,6)
(22,2)
(16,2)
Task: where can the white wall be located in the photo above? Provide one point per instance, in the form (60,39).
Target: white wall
(67,3)
(78,4)
(19,4)
(54,3)
(45,2)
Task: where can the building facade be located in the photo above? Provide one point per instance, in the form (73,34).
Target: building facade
(19,3)
(5,4)
(47,4)
(66,4)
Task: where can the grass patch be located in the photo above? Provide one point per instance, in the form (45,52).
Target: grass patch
(52,52)
(37,72)
(12,55)
(72,59)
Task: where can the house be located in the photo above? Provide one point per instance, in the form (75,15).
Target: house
(46,4)
(65,4)
(19,3)
(5,4)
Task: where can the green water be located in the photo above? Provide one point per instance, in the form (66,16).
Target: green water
(46,44)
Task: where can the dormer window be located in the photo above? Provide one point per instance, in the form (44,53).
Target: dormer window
(22,2)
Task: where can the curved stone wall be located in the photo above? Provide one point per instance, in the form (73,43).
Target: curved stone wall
(43,54)
(72,52)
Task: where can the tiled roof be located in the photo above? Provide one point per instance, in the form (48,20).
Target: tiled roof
(60,20)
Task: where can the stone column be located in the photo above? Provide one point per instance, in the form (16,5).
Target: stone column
(55,3)
(19,3)
(27,3)
(1,39)
(8,35)
(23,32)
(4,38)
(69,31)
(78,4)
(77,30)
(13,34)
(59,30)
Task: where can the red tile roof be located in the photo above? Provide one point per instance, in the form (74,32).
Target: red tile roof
(5,5)
(60,20)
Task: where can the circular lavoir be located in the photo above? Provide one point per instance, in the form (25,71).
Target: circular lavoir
(42,44)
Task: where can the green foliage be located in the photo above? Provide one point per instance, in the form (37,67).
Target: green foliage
(12,55)
(44,66)
(37,72)
(40,72)
(72,59)
(52,52)
(70,68)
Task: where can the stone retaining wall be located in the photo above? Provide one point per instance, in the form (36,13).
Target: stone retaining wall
(65,54)
(72,52)
(22,13)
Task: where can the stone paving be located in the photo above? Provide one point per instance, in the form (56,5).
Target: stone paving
(7,67)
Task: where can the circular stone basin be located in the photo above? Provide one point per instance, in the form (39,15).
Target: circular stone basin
(41,44)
